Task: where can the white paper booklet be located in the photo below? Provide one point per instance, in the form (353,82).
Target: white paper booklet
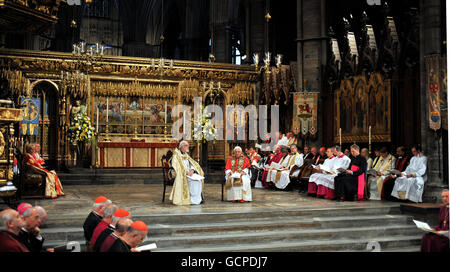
(197,177)
(275,165)
(255,164)
(423,226)
(236,175)
(147,247)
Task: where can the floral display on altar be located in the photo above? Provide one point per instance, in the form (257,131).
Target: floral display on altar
(80,129)
(204,129)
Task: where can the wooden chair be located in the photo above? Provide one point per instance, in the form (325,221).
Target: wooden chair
(168,179)
(32,181)
(223,182)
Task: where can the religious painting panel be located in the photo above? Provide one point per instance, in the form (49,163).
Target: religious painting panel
(133,115)
(363,108)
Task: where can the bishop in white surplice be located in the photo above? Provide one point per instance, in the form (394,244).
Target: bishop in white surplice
(292,169)
(336,161)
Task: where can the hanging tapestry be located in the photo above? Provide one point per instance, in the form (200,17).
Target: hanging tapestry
(434,101)
(305,114)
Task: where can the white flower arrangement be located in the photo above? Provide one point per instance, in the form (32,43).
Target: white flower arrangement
(204,129)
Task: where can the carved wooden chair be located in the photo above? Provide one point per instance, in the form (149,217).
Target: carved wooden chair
(32,181)
(168,177)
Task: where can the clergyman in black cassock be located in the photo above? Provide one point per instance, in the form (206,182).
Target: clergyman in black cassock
(346,185)
(90,224)
(119,246)
(31,241)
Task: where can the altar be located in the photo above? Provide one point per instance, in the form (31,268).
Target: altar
(132,154)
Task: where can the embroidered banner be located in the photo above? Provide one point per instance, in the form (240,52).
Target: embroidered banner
(305,114)
(30,112)
(434,110)
(443,92)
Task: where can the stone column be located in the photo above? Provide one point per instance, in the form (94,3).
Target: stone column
(196,30)
(430,39)
(311,50)
(134,16)
(255,34)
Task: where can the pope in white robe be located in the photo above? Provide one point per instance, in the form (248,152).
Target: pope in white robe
(410,185)
(238,186)
(338,160)
(188,185)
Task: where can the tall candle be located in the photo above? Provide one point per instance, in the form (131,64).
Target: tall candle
(165,115)
(340,137)
(97,120)
(107,110)
(370,135)
(184,122)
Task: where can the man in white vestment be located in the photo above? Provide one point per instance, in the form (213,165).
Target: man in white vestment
(188,185)
(282,178)
(385,164)
(336,160)
(282,164)
(411,182)
(238,186)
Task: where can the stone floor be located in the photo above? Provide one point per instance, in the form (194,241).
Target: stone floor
(147,199)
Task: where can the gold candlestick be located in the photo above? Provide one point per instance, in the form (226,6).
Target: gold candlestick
(107,139)
(135,126)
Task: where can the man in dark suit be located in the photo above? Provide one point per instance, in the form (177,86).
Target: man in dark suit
(30,233)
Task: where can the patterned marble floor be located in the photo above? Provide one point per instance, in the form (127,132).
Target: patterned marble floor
(147,199)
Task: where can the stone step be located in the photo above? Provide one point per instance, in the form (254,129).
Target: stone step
(148,177)
(70,221)
(415,248)
(372,233)
(386,243)
(256,225)
(287,235)
(260,225)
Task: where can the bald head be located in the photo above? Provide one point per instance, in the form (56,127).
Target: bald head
(123,225)
(42,214)
(11,221)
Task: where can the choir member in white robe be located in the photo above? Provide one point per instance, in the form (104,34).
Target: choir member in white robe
(292,169)
(187,187)
(238,189)
(385,164)
(340,160)
(411,183)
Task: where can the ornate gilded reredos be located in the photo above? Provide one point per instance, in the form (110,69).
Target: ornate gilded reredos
(37,62)
(2,144)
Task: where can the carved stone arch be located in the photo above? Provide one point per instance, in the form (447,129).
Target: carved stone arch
(49,116)
(35,83)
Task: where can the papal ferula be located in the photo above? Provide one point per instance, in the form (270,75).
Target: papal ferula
(189,180)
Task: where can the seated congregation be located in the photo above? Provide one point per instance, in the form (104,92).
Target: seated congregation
(341,175)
